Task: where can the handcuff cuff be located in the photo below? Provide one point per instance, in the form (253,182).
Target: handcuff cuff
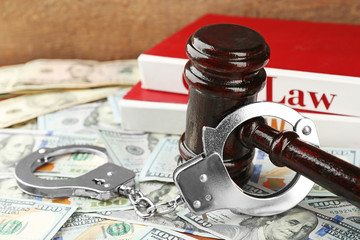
(203,181)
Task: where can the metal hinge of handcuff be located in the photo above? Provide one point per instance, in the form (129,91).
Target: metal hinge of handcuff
(203,181)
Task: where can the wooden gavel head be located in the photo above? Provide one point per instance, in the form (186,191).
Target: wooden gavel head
(225,72)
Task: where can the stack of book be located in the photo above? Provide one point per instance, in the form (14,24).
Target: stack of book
(313,68)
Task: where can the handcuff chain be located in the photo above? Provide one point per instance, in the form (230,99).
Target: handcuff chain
(146,208)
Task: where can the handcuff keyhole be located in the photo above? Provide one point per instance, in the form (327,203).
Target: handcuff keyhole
(98,181)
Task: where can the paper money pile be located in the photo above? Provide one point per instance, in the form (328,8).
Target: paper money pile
(43,86)
(44,110)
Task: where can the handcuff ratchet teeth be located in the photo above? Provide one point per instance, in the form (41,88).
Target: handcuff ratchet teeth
(102,183)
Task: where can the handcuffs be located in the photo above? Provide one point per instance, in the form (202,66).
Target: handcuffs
(203,181)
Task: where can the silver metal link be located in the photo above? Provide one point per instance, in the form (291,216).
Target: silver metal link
(146,208)
(106,181)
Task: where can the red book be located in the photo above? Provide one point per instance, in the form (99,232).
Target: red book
(313,67)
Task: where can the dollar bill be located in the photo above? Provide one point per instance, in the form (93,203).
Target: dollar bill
(75,225)
(129,150)
(256,190)
(269,176)
(153,233)
(23,108)
(30,125)
(337,206)
(158,193)
(301,222)
(49,74)
(89,205)
(109,229)
(31,220)
(9,188)
(80,119)
(162,161)
(83,226)
(16,144)
(8,77)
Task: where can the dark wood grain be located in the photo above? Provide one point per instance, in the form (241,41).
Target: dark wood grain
(286,149)
(225,71)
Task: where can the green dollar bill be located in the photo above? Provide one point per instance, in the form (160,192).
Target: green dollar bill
(83,226)
(301,222)
(79,119)
(154,233)
(31,220)
(337,206)
(129,149)
(162,162)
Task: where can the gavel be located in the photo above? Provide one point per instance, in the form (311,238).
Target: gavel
(225,72)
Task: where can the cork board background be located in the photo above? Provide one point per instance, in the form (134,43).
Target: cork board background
(122,29)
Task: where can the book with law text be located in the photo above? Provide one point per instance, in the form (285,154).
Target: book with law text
(164,112)
(313,67)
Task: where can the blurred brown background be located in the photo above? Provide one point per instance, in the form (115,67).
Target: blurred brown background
(121,29)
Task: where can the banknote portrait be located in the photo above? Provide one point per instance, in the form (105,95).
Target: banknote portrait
(80,71)
(295,224)
(14,148)
(102,115)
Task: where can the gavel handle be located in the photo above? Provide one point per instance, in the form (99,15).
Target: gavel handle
(286,149)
